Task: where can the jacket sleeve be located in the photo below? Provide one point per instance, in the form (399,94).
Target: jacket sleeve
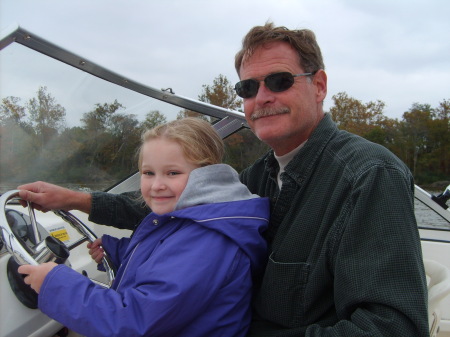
(379,279)
(124,211)
(171,289)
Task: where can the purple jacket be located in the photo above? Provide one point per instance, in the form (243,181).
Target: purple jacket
(185,273)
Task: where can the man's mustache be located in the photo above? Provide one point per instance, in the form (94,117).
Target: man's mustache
(264,112)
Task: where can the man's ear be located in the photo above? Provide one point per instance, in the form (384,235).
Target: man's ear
(320,81)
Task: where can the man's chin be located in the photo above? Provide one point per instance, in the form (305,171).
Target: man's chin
(266,132)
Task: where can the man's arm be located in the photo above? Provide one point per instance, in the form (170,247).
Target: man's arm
(379,277)
(123,211)
(45,197)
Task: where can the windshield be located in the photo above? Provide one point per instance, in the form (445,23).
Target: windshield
(65,126)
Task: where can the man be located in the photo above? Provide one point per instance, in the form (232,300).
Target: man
(345,256)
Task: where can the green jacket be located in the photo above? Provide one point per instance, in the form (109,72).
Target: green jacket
(345,254)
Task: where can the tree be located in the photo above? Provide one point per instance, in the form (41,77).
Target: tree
(17,150)
(14,137)
(415,130)
(366,120)
(11,110)
(443,136)
(435,159)
(356,117)
(27,142)
(112,139)
(98,120)
(99,125)
(46,116)
(421,139)
(125,141)
(152,119)
(220,93)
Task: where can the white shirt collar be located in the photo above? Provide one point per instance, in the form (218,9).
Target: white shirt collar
(284,160)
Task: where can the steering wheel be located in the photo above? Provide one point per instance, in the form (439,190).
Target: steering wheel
(50,248)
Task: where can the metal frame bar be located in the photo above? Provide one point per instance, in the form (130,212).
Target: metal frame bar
(230,121)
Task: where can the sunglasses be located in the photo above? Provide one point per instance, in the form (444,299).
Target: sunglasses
(277,82)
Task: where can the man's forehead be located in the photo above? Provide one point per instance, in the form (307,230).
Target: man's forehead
(278,53)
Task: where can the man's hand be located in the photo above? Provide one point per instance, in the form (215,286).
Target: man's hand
(96,250)
(36,274)
(45,197)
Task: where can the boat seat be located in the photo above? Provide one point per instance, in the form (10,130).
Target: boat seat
(438,280)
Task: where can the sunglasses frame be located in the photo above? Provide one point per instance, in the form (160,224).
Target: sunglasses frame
(240,85)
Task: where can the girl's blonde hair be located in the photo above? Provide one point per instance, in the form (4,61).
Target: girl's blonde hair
(200,143)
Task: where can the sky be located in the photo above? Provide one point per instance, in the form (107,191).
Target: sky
(395,51)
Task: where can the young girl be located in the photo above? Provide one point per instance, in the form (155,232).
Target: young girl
(187,270)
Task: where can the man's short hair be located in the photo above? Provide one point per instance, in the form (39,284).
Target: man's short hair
(302,40)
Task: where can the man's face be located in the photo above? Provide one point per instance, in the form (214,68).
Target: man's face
(285,119)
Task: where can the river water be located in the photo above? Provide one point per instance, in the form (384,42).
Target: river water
(427,218)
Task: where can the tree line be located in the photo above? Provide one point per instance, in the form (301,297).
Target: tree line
(421,139)
(36,144)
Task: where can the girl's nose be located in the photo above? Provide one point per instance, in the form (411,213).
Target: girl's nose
(158,183)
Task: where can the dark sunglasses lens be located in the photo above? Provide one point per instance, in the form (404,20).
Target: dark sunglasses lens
(279,82)
(247,88)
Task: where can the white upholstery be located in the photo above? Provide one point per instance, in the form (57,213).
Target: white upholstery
(438,278)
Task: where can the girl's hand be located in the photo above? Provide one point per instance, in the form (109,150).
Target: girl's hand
(96,250)
(36,274)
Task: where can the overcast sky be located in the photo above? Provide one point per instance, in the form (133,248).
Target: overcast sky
(396,51)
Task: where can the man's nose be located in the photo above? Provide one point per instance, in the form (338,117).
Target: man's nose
(264,95)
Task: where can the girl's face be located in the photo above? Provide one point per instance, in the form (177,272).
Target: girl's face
(164,174)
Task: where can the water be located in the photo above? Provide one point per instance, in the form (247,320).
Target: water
(427,218)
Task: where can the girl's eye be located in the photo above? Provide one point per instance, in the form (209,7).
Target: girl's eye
(173,173)
(148,173)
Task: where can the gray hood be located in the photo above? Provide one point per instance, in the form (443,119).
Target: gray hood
(213,184)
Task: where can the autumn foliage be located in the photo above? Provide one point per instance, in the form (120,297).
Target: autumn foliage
(36,144)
